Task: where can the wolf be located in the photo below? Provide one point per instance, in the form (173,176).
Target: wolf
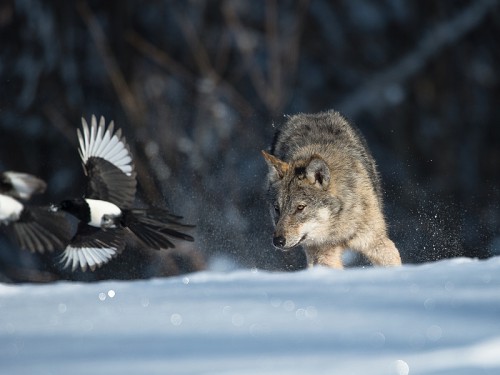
(325,192)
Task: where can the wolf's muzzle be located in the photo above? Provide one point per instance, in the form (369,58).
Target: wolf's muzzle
(279,241)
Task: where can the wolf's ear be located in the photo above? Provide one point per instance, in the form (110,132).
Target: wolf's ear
(276,166)
(318,173)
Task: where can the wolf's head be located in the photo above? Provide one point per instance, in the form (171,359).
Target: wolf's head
(302,205)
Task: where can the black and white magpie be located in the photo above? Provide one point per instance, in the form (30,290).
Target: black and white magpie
(105,213)
(31,227)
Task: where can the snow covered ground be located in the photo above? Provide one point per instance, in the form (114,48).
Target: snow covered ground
(436,318)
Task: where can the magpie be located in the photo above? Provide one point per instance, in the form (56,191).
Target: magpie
(106,216)
(30,227)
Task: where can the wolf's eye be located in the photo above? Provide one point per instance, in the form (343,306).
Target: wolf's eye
(300,207)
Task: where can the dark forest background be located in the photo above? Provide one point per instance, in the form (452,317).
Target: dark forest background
(199,87)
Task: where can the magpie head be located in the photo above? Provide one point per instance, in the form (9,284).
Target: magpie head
(5,184)
(77,207)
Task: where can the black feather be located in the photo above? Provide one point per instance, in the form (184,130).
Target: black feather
(88,236)
(107,182)
(92,247)
(155,227)
(40,229)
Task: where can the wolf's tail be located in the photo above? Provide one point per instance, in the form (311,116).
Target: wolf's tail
(156,227)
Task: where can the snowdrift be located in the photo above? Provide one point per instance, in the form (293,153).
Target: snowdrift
(436,318)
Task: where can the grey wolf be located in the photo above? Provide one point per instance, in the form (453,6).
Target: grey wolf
(325,192)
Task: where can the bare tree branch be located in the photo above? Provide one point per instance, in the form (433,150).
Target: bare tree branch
(282,50)
(257,78)
(132,107)
(372,94)
(159,56)
(163,59)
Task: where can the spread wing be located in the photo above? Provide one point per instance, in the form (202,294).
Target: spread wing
(107,163)
(92,247)
(40,229)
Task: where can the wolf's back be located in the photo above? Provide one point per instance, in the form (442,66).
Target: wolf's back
(322,134)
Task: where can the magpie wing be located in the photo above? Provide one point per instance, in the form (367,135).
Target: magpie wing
(107,162)
(107,182)
(104,142)
(40,229)
(92,247)
(21,185)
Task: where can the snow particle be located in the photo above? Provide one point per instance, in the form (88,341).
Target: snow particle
(62,308)
(185,280)
(301,314)
(226,310)
(54,320)
(275,302)
(377,339)
(402,367)
(145,302)
(449,286)
(434,333)
(486,278)
(429,304)
(311,312)
(289,305)
(102,296)
(256,329)
(176,319)
(87,326)
(111,293)
(238,320)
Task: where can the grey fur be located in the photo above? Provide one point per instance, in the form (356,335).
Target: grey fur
(325,191)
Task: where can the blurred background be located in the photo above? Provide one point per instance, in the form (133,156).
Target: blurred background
(199,88)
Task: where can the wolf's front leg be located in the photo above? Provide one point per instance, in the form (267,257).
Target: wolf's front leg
(384,253)
(328,256)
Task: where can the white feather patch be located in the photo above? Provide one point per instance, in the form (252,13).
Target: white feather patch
(10,209)
(97,141)
(87,257)
(100,208)
(25,184)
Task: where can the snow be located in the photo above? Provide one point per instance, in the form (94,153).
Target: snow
(437,318)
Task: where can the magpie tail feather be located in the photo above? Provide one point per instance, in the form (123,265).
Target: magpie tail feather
(156,227)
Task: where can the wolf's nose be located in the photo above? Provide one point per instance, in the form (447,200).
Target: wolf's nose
(279,241)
